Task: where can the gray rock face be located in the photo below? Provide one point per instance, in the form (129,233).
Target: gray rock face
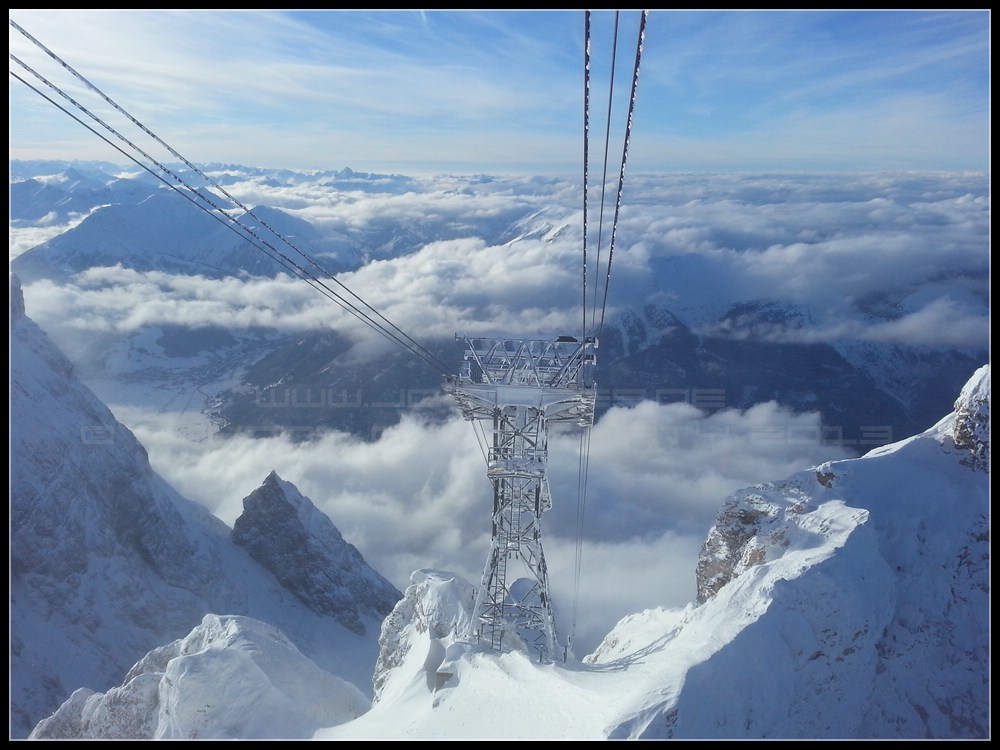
(284,532)
(737,541)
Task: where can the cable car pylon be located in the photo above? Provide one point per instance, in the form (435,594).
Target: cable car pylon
(518,387)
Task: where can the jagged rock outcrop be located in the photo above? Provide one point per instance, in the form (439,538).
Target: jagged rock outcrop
(748,526)
(972,420)
(284,532)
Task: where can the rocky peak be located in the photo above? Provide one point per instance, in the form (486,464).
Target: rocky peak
(972,420)
(289,536)
(747,526)
(425,622)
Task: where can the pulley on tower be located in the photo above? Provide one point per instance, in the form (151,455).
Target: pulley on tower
(519,386)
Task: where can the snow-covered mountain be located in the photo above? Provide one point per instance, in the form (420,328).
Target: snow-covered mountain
(849,600)
(284,532)
(136,220)
(162,231)
(55,193)
(108,561)
(227,662)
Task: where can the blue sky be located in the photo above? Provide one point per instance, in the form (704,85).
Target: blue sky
(502,91)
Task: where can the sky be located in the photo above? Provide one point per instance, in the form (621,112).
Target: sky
(502,91)
(864,614)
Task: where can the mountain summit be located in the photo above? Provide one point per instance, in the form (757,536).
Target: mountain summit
(284,532)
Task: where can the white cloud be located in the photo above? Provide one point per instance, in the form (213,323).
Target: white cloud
(26,238)
(942,320)
(123,300)
(26,234)
(831,245)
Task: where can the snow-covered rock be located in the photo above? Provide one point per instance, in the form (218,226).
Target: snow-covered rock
(188,688)
(418,633)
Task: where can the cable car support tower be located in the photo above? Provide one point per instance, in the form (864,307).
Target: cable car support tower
(517,387)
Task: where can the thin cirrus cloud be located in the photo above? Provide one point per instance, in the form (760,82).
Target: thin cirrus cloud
(502,91)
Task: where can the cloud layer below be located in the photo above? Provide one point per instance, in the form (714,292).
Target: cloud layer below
(419,496)
(887,258)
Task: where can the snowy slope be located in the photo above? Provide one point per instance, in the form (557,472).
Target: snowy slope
(848,601)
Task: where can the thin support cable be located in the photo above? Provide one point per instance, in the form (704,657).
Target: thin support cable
(586,154)
(621,173)
(604,176)
(582,471)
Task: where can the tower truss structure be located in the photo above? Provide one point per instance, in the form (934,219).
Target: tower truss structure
(518,387)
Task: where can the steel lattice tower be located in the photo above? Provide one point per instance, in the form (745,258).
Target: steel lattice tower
(519,386)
